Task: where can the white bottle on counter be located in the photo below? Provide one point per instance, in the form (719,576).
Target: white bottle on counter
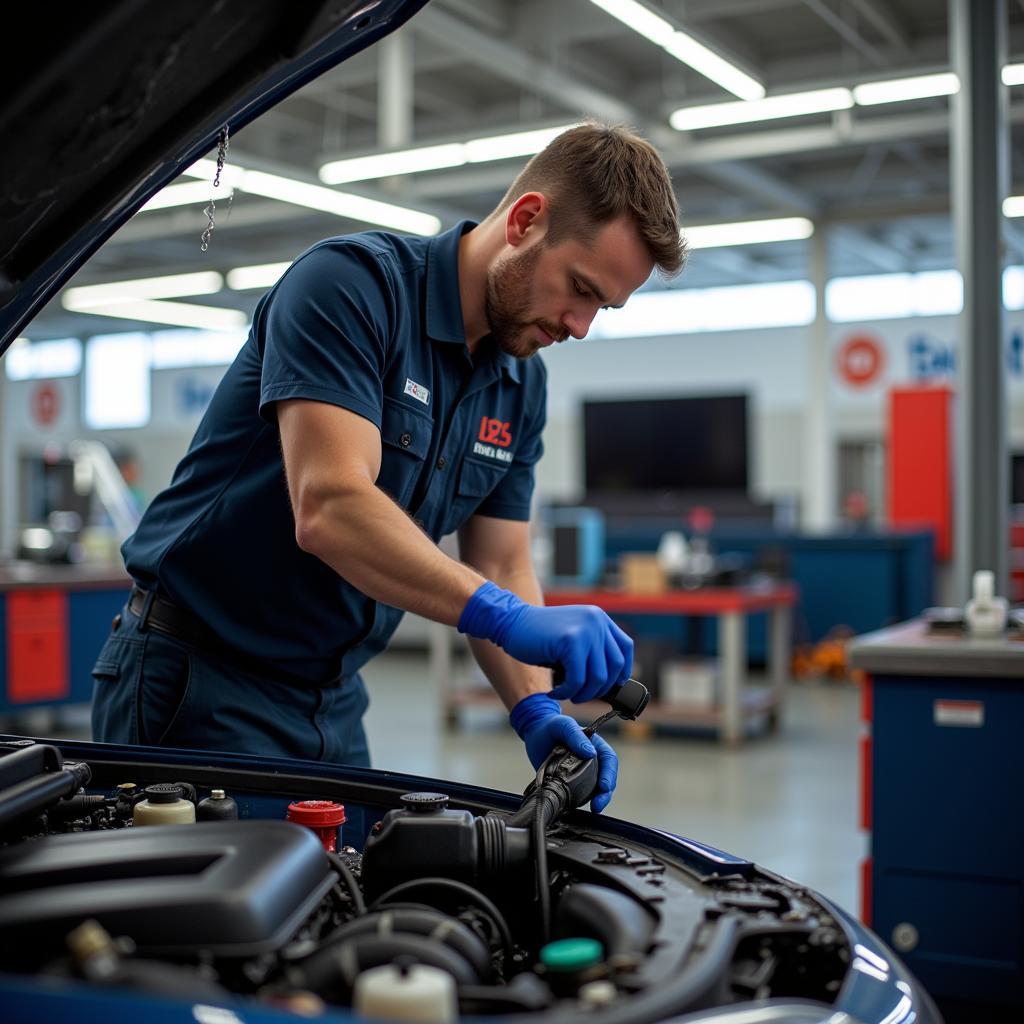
(986,613)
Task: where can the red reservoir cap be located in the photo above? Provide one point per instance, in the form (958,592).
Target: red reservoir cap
(322,816)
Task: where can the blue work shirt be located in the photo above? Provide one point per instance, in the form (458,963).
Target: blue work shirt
(371,323)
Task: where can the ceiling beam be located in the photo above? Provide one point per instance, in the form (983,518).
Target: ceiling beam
(749,179)
(513,64)
(885,22)
(847,32)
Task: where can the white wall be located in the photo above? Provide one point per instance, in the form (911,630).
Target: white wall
(769,364)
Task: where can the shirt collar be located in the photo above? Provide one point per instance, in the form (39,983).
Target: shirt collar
(444,303)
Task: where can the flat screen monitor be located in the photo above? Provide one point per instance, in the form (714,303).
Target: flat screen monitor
(666,444)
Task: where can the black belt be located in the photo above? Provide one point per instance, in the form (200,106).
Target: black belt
(168,618)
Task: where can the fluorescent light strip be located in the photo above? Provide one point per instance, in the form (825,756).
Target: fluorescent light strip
(185,194)
(170,287)
(900,89)
(683,47)
(781,229)
(433,158)
(181,314)
(818,101)
(1013,206)
(263,276)
(1013,74)
(316,197)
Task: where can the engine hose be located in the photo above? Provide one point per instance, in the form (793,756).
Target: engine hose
(345,873)
(540,853)
(466,892)
(688,991)
(431,923)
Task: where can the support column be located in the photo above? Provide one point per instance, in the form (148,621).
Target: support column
(979,176)
(394,91)
(819,452)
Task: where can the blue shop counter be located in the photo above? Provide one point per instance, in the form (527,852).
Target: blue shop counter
(943,775)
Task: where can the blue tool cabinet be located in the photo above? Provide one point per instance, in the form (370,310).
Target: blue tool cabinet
(944,806)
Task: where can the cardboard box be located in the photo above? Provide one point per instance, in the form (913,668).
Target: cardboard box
(690,682)
(641,574)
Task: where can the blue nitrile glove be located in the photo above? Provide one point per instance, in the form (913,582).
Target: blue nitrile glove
(541,726)
(593,652)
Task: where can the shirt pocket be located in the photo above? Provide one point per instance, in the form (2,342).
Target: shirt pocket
(405,435)
(477,479)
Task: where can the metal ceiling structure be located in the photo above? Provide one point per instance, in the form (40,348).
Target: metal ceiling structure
(878,176)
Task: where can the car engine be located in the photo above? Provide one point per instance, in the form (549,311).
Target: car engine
(192,890)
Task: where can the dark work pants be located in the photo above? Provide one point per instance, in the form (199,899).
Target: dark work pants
(155,690)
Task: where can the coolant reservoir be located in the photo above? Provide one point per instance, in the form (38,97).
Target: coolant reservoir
(164,805)
(406,992)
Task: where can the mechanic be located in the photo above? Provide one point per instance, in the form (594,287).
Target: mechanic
(386,396)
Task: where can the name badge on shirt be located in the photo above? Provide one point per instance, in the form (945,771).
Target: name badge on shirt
(418,391)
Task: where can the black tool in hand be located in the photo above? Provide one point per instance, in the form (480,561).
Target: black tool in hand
(627,699)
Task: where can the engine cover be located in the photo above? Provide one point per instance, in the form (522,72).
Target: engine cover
(236,888)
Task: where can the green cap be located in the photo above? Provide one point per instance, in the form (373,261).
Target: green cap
(571,954)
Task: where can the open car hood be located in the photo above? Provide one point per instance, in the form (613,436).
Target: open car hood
(104,105)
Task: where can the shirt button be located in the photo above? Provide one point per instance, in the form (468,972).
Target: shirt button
(405,440)
(442,462)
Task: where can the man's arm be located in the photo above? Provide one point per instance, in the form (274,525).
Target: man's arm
(500,550)
(332,458)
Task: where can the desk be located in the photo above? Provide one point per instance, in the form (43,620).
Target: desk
(731,606)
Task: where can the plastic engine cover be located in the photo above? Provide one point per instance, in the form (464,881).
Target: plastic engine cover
(237,888)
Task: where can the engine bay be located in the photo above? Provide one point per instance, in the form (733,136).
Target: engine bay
(117,876)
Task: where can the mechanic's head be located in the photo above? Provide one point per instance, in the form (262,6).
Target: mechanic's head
(586,221)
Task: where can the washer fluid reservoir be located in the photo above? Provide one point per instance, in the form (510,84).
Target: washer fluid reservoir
(164,805)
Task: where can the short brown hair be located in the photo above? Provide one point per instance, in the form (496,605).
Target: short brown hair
(595,173)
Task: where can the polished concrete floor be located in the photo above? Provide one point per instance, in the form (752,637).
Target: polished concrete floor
(788,801)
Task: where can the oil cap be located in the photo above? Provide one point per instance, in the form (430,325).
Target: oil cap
(425,803)
(567,955)
(322,816)
(164,793)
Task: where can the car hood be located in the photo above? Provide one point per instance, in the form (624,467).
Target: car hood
(106,104)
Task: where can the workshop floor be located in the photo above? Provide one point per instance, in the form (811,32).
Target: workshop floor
(788,801)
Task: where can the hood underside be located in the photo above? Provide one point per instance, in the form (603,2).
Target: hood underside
(105,104)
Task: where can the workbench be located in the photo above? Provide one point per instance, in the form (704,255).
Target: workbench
(53,621)
(730,606)
(942,764)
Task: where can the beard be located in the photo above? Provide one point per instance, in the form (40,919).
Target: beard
(507,303)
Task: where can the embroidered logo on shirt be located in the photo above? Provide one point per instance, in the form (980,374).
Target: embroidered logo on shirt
(493,432)
(418,391)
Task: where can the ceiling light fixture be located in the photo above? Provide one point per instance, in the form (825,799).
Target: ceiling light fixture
(433,158)
(817,101)
(750,232)
(170,287)
(681,45)
(898,90)
(1013,206)
(1013,74)
(180,314)
(316,197)
(264,275)
(185,194)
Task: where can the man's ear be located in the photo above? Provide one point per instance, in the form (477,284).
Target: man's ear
(527,218)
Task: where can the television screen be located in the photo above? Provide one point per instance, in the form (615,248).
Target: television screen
(666,444)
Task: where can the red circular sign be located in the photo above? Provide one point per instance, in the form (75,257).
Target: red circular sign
(861,360)
(45,404)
